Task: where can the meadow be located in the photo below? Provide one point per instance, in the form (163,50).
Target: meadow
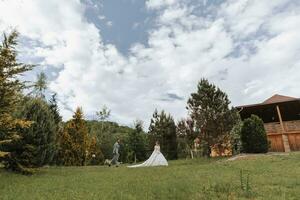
(261,177)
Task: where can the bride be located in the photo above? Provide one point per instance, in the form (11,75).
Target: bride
(156,159)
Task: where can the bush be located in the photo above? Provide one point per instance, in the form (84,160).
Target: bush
(235,138)
(95,155)
(253,135)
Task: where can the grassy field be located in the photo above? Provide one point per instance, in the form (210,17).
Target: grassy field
(270,177)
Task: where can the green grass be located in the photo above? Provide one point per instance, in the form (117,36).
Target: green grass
(270,177)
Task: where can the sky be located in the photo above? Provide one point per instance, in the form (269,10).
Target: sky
(138,55)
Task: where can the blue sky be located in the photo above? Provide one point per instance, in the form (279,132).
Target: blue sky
(134,56)
(122,23)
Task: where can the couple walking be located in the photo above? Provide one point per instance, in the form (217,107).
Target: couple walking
(156,158)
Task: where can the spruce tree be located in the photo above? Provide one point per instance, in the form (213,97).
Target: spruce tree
(40,86)
(73,141)
(213,118)
(58,124)
(10,95)
(40,136)
(54,109)
(136,142)
(163,129)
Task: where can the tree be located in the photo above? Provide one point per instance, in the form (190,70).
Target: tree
(103,114)
(58,124)
(107,136)
(40,85)
(136,142)
(253,135)
(54,109)
(235,138)
(10,95)
(212,116)
(186,135)
(37,147)
(163,129)
(95,155)
(74,143)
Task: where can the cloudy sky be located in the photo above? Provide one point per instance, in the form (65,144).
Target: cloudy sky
(137,55)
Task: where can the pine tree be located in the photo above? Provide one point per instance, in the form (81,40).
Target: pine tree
(40,85)
(54,109)
(37,147)
(58,124)
(10,95)
(186,135)
(136,142)
(163,129)
(74,142)
(212,116)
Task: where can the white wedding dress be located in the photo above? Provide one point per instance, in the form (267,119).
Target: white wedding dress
(156,159)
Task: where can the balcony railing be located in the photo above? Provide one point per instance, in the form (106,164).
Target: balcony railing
(289,126)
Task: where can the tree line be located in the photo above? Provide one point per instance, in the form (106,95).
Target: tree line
(33,134)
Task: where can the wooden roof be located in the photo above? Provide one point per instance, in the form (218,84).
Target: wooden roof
(272,100)
(289,107)
(278,98)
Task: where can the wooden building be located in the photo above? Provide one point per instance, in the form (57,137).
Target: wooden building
(281,116)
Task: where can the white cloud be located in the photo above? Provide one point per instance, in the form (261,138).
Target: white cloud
(101,17)
(109,23)
(250,48)
(135,25)
(155,4)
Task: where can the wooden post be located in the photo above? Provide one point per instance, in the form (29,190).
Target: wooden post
(285,140)
(280,119)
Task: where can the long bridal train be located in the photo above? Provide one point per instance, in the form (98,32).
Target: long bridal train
(156,159)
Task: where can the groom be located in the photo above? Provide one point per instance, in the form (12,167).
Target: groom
(116,154)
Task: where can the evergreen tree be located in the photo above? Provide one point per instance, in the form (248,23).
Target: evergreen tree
(40,85)
(185,129)
(54,109)
(37,146)
(10,95)
(136,142)
(73,141)
(186,135)
(163,129)
(58,124)
(253,136)
(212,116)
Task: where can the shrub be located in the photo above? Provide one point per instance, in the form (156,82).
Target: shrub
(235,138)
(253,135)
(95,155)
